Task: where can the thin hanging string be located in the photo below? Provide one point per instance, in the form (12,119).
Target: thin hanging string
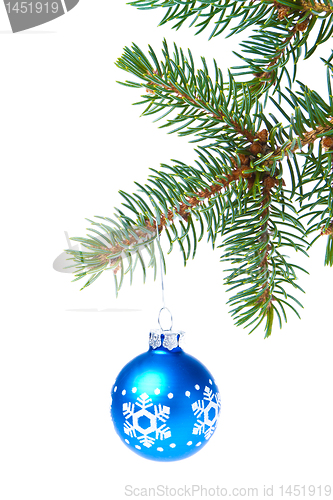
(161,267)
(163,308)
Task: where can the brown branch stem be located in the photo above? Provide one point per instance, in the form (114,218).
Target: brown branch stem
(308,138)
(317,7)
(268,183)
(259,145)
(184,211)
(268,74)
(303,5)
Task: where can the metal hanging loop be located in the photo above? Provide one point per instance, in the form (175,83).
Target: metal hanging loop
(159,319)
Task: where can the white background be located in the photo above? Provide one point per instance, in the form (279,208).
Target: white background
(70,139)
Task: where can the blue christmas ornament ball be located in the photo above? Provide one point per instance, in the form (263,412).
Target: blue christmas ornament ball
(165,403)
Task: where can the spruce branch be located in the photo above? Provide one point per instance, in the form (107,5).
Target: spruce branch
(277,48)
(222,13)
(311,124)
(197,103)
(235,192)
(282,32)
(261,272)
(267,52)
(167,202)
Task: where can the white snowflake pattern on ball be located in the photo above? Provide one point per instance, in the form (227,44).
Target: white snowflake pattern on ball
(132,425)
(206,414)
